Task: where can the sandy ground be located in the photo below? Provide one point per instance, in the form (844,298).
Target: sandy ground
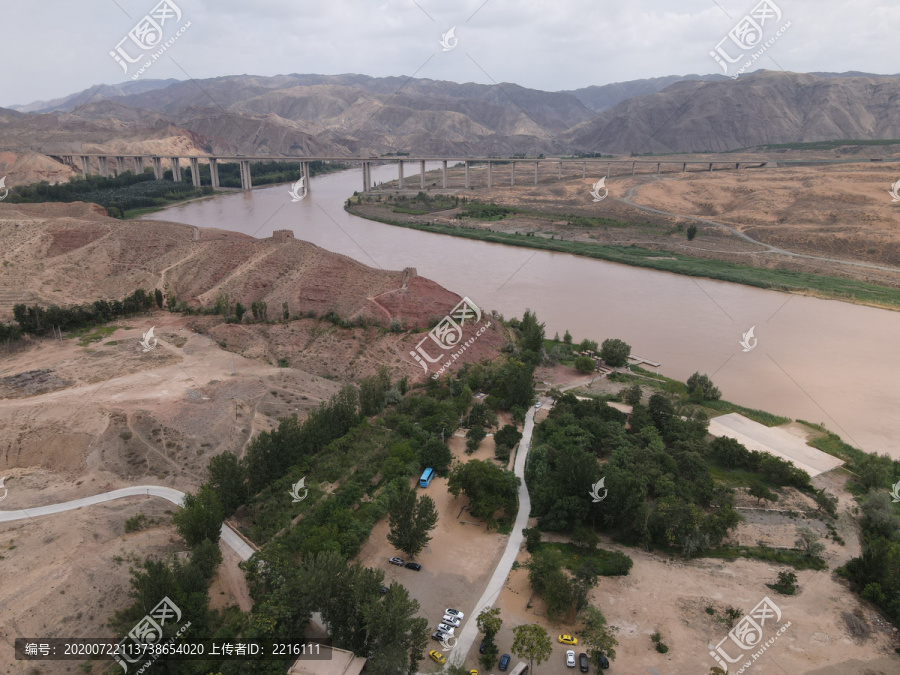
(456,564)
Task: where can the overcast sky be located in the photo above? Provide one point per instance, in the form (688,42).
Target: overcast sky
(52,48)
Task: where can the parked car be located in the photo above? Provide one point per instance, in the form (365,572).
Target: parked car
(583,662)
(444,628)
(604,662)
(504,661)
(537,405)
(384,589)
(568,639)
(482,647)
(413,566)
(396,561)
(455,612)
(451,620)
(570,659)
(438,635)
(473,672)
(437,656)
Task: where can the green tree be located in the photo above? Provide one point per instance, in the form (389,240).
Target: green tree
(808,542)
(474,436)
(410,521)
(285,311)
(759,490)
(239,311)
(489,623)
(701,388)
(436,455)
(585,537)
(228,479)
(588,346)
(615,352)
(157,294)
(532,333)
(632,395)
(584,364)
(532,539)
(691,232)
(200,517)
(567,338)
(531,642)
(597,636)
(488,487)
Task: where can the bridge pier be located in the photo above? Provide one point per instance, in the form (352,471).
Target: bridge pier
(104,166)
(246,183)
(422,174)
(710,166)
(632,168)
(214,172)
(138,165)
(536,173)
(658,164)
(512,179)
(365,176)
(444,172)
(584,169)
(684,167)
(608,167)
(85,165)
(400,175)
(737,167)
(195,171)
(120,166)
(176,169)
(157,167)
(490,174)
(467,174)
(308,177)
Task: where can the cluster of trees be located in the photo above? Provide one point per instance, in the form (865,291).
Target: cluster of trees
(489,488)
(410,520)
(731,454)
(116,193)
(660,491)
(37,320)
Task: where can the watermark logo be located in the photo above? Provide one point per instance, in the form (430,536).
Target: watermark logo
(448,334)
(148,631)
(748,34)
(449,40)
(6,190)
(595,190)
(148,34)
(595,490)
(298,188)
(749,342)
(895,493)
(748,633)
(295,490)
(445,641)
(895,191)
(5,490)
(145,340)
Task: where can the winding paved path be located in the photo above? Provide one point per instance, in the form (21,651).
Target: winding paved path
(469,633)
(229,536)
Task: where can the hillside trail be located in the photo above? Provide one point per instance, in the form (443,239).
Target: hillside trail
(627,199)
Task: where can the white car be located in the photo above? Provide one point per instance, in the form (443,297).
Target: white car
(449,630)
(537,405)
(570,659)
(455,612)
(451,620)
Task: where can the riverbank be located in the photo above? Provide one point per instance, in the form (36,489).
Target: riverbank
(802,283)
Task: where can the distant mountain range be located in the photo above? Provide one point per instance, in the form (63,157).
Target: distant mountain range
(356,114)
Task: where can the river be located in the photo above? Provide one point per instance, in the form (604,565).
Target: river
(820,360)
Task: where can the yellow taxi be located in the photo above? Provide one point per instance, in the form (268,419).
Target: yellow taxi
(568,640)
(437,656)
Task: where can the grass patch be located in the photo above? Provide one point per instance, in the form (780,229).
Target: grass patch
(95,335)
(610,563)
(677,263)
(760,416)
(793,557)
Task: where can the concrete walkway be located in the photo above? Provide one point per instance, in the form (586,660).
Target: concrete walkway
(229,536)
(469,633)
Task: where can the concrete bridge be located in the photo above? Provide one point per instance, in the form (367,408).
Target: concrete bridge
(598,166)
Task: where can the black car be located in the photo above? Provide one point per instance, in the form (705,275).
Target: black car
(504,661)
(413,566)
(438,635)
(604,662)
(583,662)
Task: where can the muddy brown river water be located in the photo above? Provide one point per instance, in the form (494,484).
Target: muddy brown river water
(820,360)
